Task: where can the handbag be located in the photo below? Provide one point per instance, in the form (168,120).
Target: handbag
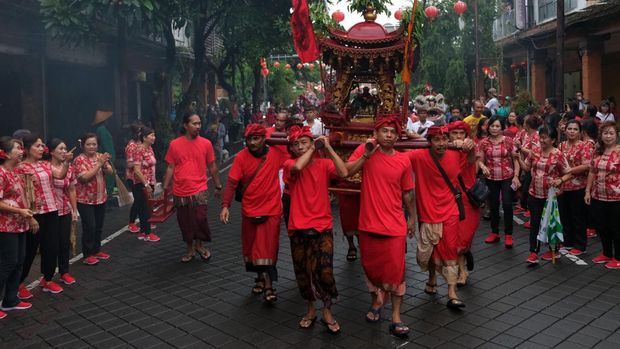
(478,193)
(457,193)
(241,188)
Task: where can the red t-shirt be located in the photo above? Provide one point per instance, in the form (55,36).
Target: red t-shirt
(434,199)
(310,206)
(262,196)
(469,172)
(386,177)
(190,159)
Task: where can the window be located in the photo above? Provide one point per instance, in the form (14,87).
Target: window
(547,8)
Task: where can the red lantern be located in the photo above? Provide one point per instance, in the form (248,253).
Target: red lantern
(338,16)
(264,72)
(486,70)
(398,14)
(311,66)
(431,12)
(460,7)
(287,66)
(276,64)
(299,66)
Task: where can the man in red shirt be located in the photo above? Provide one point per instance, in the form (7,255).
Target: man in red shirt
(256,169)
(387,183)
(189,157)
(439,211)
(310,225)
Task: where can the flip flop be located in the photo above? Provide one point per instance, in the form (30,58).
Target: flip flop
(205,255)
(352,254)
(330,326)
(269,295)
(259,286)
(376,312)
(399,329)
(307,323)
(187,258)
(433,292)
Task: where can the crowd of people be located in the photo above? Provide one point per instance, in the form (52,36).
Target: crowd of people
(427,194)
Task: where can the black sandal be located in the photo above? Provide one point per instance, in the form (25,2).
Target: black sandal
(259,286)
(399,329)
(330,326)
(455,303)
(376,315)
(306,323)
(352,254)
(269,295)
(432,286)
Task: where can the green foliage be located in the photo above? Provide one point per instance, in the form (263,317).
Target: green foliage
(321,18)
(523,101)
(282,86)
(360,6)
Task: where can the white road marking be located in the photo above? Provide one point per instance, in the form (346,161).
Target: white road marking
(112,236)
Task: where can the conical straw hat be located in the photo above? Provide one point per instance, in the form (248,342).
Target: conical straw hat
(101,116)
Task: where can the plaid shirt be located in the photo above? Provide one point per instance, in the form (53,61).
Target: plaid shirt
(579,154)
(12,194)
(530,142)
(42,180)
(606,169)
(498,157)
(145,157)
(61,192)
(129,149)
(93,192)
(545,169)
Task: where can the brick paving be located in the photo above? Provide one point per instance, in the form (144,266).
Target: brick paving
(144,297)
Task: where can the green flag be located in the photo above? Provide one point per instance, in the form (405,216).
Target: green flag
(550,226)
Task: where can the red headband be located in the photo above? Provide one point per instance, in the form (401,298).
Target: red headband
(3,155)
(389,121)
(436,131)
(459,125)
(297,132)
(255,130)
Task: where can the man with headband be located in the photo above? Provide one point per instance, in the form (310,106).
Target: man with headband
(255,169)
(387,183)
(439,211)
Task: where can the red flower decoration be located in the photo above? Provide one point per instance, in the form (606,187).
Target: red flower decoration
(46,150)
(3,155)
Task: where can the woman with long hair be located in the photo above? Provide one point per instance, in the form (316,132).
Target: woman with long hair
(548,167)
(143,161)
(603,194)
(42,175)
(589,135)
(65,196)
(501,169)
(90,168)
(15,220)
(573,211)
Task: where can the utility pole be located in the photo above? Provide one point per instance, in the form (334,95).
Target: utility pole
(559,53)
(477,85)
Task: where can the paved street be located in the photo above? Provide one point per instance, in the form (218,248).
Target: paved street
(145,297)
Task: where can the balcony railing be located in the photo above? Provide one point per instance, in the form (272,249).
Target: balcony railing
(504,25)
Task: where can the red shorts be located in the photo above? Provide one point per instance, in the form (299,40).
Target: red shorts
(260,241)
(349,207)
(383,259)
(445,252)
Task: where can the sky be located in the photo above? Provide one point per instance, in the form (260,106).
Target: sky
(352,18)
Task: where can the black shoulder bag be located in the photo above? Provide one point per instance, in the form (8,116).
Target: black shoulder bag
(457,193)
(478,193)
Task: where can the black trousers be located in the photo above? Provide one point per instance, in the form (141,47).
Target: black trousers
(48,238)
(536,206)
(139,202)
(64,249)
(526,179)
(573,214)
(286,207)
(606,215)
(92,224)
(133,211)
(495,189)
(12,253)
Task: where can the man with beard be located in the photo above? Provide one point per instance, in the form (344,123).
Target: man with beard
(439,209)
(256,169)
(387,184)
(189,157)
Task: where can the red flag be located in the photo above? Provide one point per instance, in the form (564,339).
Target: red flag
(303,33)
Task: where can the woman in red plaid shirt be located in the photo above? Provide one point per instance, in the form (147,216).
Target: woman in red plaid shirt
(548,167)
(500,167)
(46,213)
(573,210)
(603,193)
